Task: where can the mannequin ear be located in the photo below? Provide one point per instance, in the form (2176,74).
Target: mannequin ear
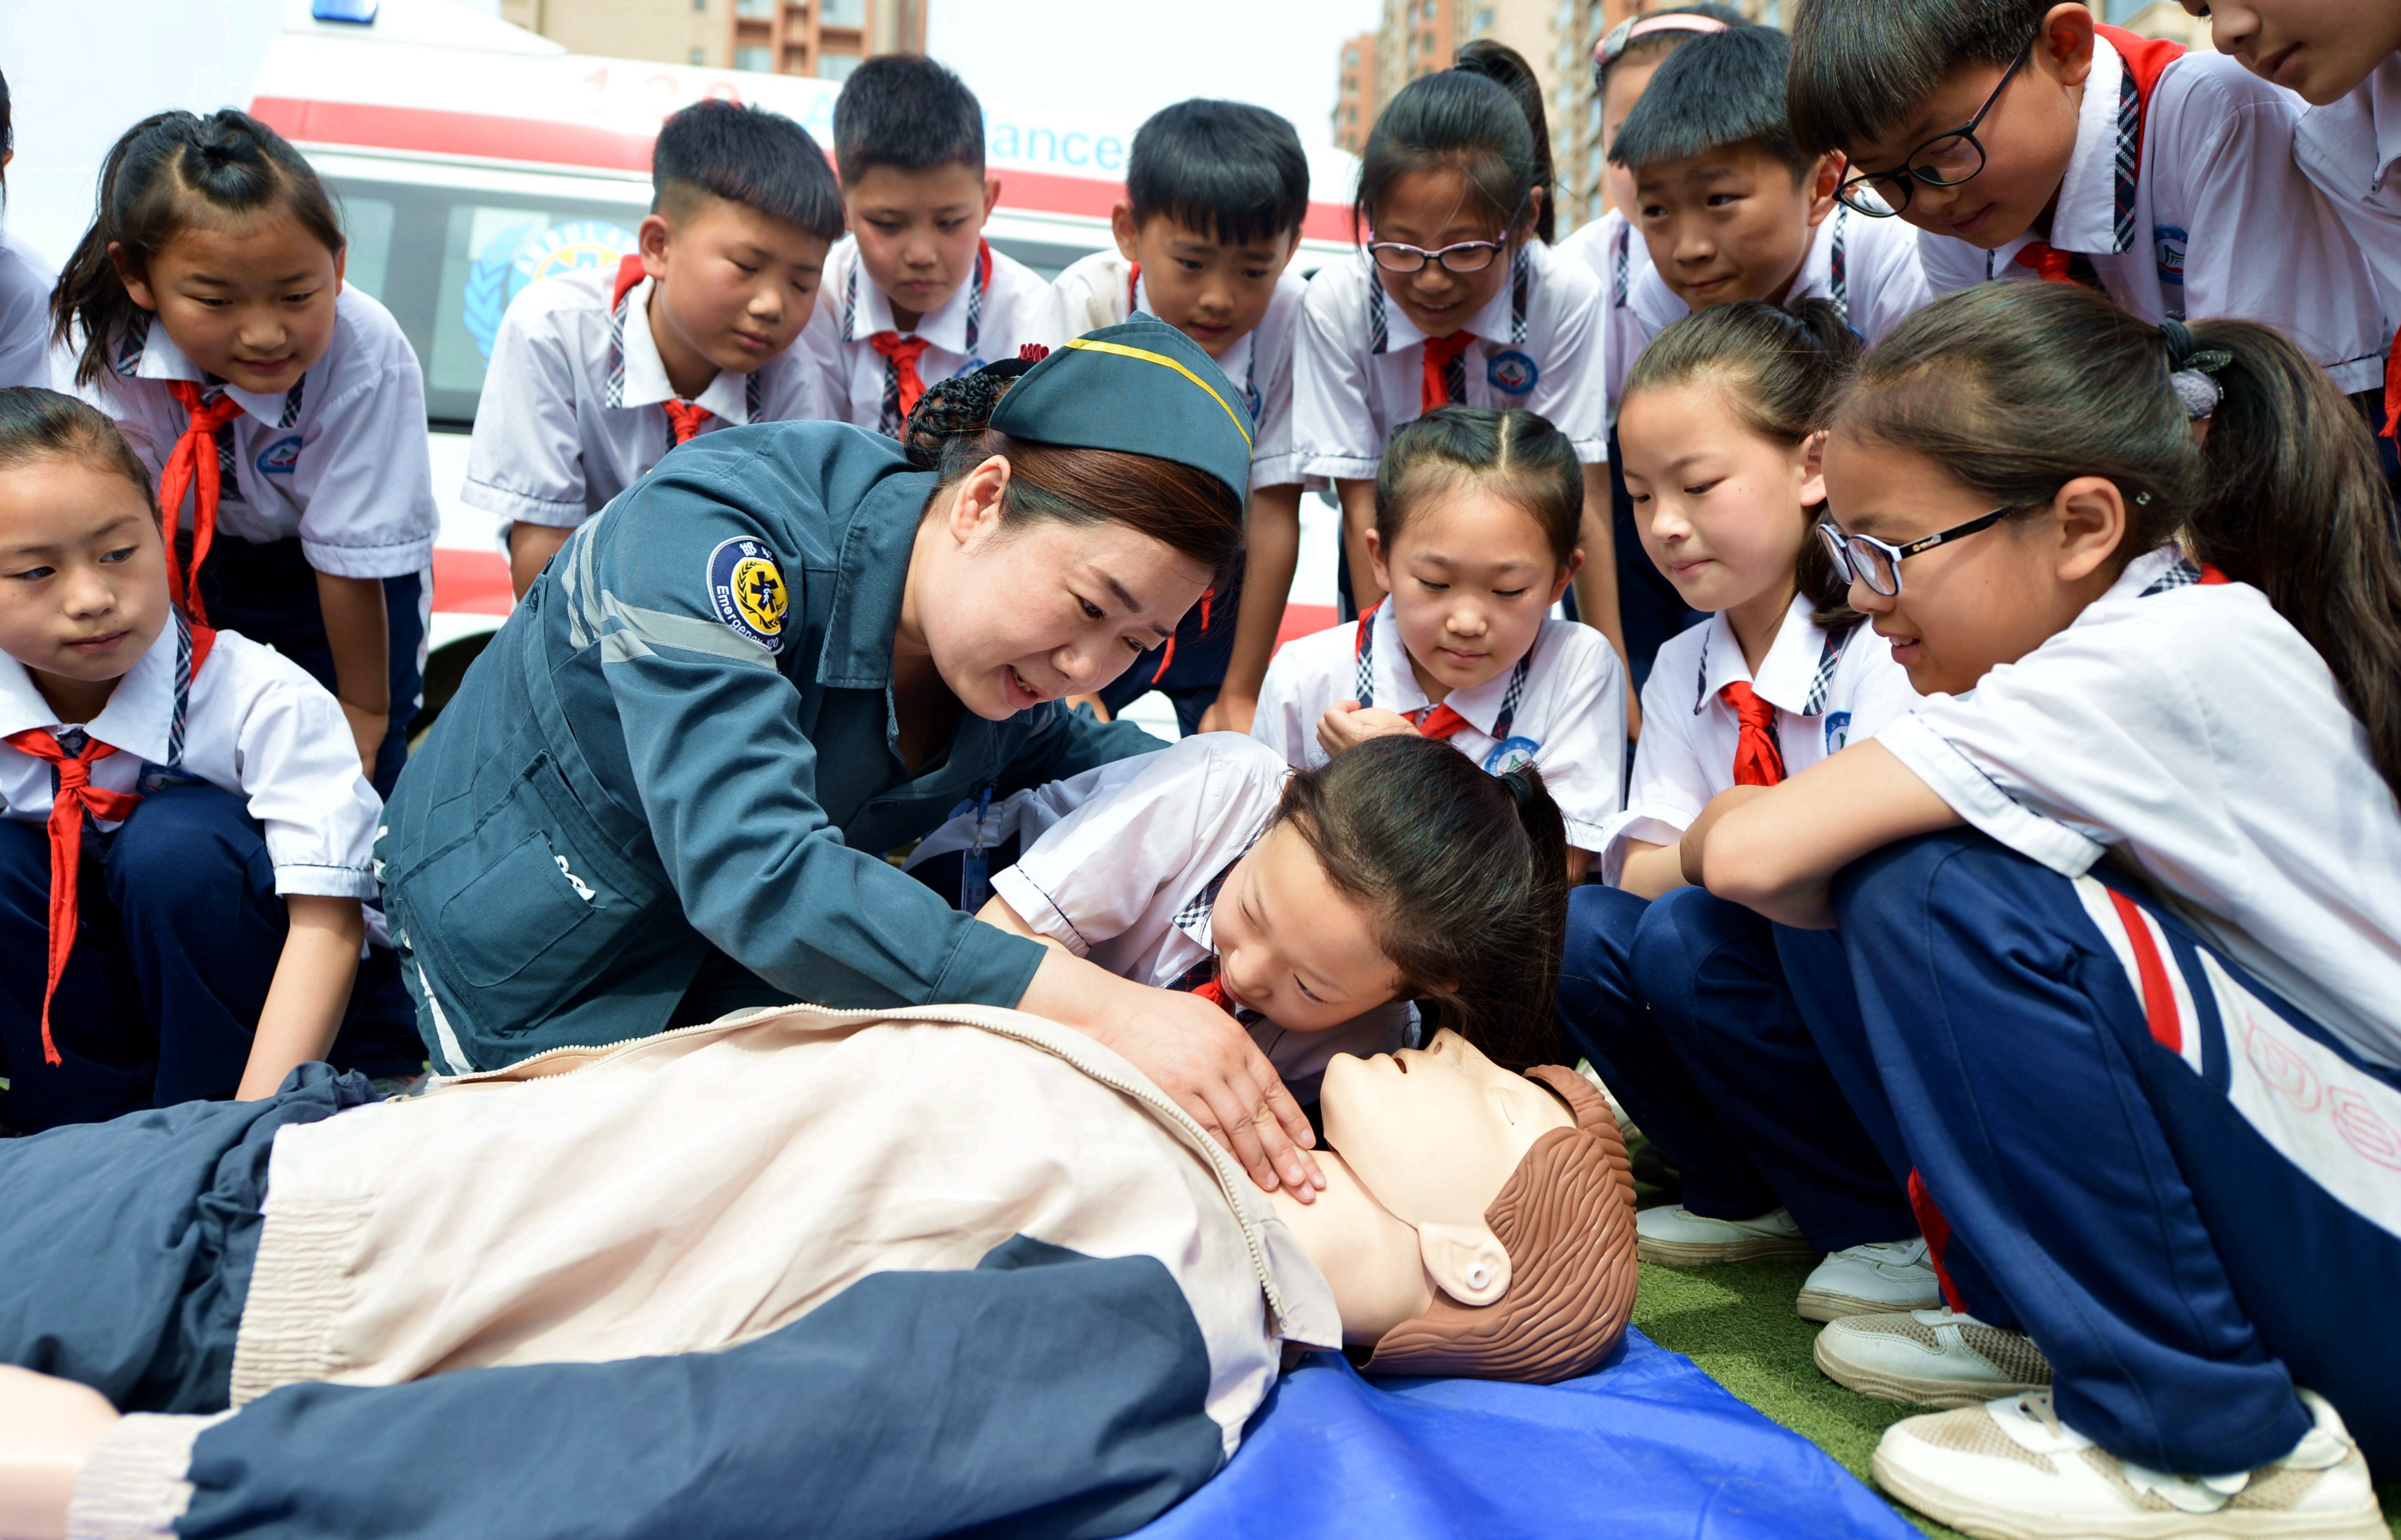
(1466,1261)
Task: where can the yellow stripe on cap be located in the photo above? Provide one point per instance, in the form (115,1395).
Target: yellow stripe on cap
(1148,357)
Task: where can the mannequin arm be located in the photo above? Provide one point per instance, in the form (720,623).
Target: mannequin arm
(48,1428)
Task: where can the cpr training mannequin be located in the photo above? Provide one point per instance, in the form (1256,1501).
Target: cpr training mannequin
(903,1275)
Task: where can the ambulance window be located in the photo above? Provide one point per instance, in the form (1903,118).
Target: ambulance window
(367,222)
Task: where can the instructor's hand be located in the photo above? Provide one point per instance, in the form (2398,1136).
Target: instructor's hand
(1196,1054)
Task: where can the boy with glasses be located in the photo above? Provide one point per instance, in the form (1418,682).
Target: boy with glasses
(2026,141)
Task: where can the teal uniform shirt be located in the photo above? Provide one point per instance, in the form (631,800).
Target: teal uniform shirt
(684,740)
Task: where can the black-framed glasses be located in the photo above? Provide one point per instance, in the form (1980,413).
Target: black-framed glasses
(1944,160)
(1460,256)
(1864,558)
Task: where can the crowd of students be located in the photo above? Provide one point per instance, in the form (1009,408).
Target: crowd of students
(1955,819)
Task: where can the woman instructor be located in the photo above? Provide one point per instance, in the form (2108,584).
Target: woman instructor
(666,787)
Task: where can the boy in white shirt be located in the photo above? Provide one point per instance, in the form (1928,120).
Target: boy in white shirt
(2046,146)
(1728,209)
(597,372)
(1624,64)
(210,780)
(1215,192)
(914,293)
(2345,61)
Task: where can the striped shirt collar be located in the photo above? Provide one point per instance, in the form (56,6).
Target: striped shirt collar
(645,374)
(866,312)
(2108,129)
(1795,675)
(139,716)
(147,353)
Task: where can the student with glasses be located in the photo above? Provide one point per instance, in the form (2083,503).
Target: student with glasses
(2102,936)
(2026,141)
(1456,298)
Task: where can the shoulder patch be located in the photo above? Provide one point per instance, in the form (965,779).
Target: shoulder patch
(747,589)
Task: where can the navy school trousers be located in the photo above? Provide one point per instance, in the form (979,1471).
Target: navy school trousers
(2182,1189)
(179,932)
(268,593)
(1685,1006)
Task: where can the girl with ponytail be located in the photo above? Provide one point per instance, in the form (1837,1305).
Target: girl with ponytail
(1456,299)
(1720,437)
(281,413)
(1313,906)
(2117,944)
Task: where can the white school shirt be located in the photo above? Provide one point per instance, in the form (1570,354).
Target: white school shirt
(1828,690)
(1359,369)
(252,723)
(1564,706)
(339,460)
(1619,259)
(2219,221)
(1868,268)
(2349,149)
(1102,289)
(1127,877)
(572,408)
(2187,731)
(25,281)
(979,324)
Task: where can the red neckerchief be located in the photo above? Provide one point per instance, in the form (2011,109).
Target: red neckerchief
(75,796)
(192,466)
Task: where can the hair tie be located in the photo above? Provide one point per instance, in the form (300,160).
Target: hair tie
(1522,787)
(1623,36)
(2192,370)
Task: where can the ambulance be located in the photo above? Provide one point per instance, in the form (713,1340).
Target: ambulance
(471,157)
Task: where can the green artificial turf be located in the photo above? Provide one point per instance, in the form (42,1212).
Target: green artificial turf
(1737,1322)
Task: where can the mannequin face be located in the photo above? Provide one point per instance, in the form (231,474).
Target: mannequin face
(1426,1139)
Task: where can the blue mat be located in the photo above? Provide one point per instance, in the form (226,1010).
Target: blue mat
(1650,1446)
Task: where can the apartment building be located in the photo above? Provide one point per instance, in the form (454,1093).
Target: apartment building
(822,38)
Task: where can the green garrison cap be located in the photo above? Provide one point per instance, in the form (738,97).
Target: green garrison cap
(1143,388)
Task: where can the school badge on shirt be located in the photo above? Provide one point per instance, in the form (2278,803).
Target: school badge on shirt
(747,588)
(1509,753)
(1512,372)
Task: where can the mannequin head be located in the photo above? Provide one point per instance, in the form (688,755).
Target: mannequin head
(1474,1221)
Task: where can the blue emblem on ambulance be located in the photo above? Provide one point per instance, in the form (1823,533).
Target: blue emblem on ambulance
(747,590)
(1512,371)
(1509,753)
(518,255)
(1838,731)
(278,457)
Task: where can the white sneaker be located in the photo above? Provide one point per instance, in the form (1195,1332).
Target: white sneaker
(1678,1237)
(2007,1470)
(1931,1358)
(1868,1280)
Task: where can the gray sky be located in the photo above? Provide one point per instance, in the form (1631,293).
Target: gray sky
(1136,56)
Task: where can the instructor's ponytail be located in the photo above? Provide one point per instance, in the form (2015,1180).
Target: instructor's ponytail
(2017,389)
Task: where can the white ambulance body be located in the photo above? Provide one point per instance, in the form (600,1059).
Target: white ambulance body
(472,157)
